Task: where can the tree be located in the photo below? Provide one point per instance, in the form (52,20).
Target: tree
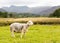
(56,13)
(5,14)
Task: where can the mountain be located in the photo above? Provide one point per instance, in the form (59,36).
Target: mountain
(49,11)
(37,10)
(42,10)
(25,9)
(2,10)
(18,9)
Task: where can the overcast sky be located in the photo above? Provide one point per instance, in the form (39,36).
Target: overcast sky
(30,3)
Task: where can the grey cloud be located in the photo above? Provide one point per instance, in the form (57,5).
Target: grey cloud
(20,2)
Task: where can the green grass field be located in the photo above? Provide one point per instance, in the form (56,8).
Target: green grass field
(36,34)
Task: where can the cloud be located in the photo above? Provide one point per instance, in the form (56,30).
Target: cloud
(29,2)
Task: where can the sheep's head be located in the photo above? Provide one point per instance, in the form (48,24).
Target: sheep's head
(30,22)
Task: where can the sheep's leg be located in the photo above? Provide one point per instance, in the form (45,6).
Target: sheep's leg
(12,32)
(22,32)
(26,30)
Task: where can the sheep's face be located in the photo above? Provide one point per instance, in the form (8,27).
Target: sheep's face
(30,23)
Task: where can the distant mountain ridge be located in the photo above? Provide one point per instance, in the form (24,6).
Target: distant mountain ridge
(49,11)
(2,10)
(42,10)
(18,9)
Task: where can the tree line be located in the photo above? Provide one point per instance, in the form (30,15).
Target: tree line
(17,15)
(56,13)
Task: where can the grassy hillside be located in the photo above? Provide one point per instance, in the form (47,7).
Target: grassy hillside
(36,34)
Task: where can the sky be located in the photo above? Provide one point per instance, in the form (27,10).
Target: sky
(29,3)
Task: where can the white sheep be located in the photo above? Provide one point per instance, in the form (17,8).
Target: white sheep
(20,27)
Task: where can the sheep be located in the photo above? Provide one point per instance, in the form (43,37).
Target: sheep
(20,27)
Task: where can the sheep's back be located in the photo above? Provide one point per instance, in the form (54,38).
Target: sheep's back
(18,26)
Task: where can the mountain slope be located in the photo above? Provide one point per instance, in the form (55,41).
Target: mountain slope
(49,11)
(2,10)
(37,10)
(18,9)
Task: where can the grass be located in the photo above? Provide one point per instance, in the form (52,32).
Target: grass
(36,34)
(38,20)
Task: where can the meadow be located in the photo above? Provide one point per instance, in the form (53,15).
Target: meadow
(36,34)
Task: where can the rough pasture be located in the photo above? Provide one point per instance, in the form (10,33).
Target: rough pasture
(36,34)
(39,20)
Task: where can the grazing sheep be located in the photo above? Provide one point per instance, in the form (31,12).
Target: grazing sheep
(20,27)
